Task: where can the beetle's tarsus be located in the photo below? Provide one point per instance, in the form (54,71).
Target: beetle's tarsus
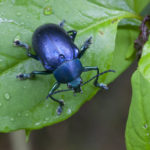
(32,74)
(74,94)
(62,23)
(81,91)
(87,43)
(27,47)
(47,96)
(85,46)
(20,76)
(25,76)
(101,85)
(16,42)
(72,34)
(61,103)
(59,110)
(21,44)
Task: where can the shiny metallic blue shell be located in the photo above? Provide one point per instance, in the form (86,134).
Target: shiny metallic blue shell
(53,46)
(68,71)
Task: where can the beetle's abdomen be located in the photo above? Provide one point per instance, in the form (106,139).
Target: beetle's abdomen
(68,71)
(53,46)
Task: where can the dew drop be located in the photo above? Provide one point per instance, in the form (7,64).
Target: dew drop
(4,20)
(47,10)
(44,122)
(13,1)
(11,119)
(26,114)
(46,118)
(22,23)
(18,13)
(145,126)
(69,111)
(7,96)
(47,105)
(37,123)
(147,134)
(18,114)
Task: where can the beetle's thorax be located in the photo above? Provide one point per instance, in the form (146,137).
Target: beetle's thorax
(68,71)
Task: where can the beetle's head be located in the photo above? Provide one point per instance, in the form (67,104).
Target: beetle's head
(75,85)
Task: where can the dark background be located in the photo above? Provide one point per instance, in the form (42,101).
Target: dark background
(98,125)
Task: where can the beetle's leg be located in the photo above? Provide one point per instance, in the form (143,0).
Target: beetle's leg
(62,23)
(61,103)
(27,47)
(72,34)
(32,74)
(101,85)
(85,46)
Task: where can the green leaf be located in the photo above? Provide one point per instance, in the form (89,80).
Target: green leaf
(138,124)
(137,5)
(23,104)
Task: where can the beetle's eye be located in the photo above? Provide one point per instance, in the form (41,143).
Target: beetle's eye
(62,56)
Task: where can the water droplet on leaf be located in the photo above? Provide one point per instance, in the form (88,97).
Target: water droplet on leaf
(47,105)
(13,1)
(44,122)
(7,96)
(46,118)
(18,13)
(145,126)
(18,114)
(11,119)
(27,114)
(69,111)
(37,123)
(47,10)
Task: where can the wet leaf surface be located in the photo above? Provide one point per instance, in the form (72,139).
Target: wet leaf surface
(23,104)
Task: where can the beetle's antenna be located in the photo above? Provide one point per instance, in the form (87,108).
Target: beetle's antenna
(97,76)
(59,91)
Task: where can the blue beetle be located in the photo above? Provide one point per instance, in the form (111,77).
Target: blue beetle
(55,49)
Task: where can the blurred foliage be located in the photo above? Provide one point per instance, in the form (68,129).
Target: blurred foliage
(138,131)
